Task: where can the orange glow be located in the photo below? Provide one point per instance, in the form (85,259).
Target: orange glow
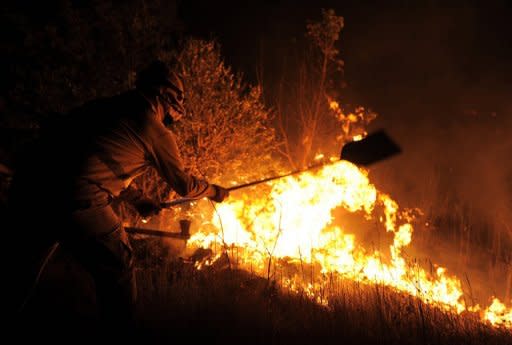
(293,219)
(498,314)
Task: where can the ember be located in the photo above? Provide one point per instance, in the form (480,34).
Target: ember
(294,223)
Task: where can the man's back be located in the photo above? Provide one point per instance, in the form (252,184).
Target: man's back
(92,151)
(109,144)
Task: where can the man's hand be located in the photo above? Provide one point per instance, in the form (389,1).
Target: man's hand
(146,207)
(221,193)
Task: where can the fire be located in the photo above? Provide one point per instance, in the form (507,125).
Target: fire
(357,137)
(497,314)
(293,220)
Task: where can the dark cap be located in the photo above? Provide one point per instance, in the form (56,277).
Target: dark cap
(158,79)
(158,75)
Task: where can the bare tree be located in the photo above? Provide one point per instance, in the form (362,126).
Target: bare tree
(309,117)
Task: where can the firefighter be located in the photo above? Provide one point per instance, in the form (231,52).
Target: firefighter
(86,160)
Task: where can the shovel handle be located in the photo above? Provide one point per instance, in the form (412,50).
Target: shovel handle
(180,201)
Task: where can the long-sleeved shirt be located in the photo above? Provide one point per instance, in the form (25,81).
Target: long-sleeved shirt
(114,140)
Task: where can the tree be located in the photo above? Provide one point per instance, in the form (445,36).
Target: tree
(228,132)
(71,53)
(226,136)
(310,119)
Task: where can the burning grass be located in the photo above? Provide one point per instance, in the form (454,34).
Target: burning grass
(283,264)
(223,305)
(290,227)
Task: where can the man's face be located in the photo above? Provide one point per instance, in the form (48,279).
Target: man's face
(173,105)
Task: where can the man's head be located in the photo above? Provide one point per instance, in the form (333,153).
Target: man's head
(158,81)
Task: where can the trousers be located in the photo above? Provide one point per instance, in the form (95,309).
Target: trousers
(96,240)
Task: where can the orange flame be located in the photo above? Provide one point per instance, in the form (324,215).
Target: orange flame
(294,222)
(497,314)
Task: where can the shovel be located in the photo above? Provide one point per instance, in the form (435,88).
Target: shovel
(374,148)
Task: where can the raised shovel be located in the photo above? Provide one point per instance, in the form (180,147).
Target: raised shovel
(373,148)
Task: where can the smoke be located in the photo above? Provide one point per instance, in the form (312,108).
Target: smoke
(458,173)
(437,77)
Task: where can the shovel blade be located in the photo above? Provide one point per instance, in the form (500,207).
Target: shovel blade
(373,148)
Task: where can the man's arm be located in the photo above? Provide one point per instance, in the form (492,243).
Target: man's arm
(166,157)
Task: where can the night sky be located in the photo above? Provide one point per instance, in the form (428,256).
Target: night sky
(437,73)
(420,51)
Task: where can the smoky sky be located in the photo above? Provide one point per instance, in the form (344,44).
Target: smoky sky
(438,74)
(428,51)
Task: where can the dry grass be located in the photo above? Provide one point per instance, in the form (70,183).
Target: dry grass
(222,305)
(233,306)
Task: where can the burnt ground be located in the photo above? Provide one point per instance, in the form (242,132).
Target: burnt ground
(230,306)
